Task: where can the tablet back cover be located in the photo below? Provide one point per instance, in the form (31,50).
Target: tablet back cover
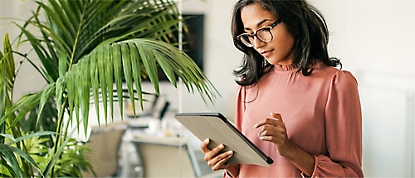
(219,130)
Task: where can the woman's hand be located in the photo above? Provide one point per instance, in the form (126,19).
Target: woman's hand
(213,157)
(273,130)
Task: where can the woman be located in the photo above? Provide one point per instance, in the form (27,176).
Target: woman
(292,102)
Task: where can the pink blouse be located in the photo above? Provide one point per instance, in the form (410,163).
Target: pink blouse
(322,116)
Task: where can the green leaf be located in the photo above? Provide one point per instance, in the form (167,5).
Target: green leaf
(36,134)
(150,65)
(25,104)
(136,68)
(63,66)
(46,94)
(9,136)
(8,152)
(56,155)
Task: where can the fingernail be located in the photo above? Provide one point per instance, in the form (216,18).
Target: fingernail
(230,152)
(221,146)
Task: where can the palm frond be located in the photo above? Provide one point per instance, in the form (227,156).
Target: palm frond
(91,76)
(78,27)
(23,106)
(8,76)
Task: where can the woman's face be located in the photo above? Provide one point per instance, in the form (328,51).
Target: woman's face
(277,51)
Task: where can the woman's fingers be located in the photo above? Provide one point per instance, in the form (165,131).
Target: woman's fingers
(212,153)
(276,116)
(220,161)
(276,137)
(213,157)
(204,146)
(272,129)
(274,120)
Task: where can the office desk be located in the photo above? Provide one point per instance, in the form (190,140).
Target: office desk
(159,155)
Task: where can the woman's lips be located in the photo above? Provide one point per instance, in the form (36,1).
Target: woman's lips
(267,53)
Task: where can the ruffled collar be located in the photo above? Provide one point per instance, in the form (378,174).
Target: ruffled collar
(278,67)
(316,66)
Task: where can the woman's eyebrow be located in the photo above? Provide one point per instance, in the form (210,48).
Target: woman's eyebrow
(258,24)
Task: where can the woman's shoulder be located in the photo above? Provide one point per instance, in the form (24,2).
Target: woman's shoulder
(335,75)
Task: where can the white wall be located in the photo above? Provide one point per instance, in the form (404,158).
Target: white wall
(373,38)
(372,35)
(388,125)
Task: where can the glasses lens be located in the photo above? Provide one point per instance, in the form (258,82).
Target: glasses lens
(246,39)
(264,34)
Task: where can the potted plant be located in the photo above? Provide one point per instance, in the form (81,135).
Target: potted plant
(88,51)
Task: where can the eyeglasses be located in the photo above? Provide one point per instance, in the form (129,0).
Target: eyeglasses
(263,34)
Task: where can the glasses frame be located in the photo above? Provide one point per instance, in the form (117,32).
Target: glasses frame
(268,28)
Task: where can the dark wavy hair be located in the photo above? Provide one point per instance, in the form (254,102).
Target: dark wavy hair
(302,20)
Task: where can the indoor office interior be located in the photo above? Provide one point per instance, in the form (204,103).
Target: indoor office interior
(374,40)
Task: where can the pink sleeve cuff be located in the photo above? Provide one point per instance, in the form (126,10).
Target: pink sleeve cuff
(303,175)
(227,175)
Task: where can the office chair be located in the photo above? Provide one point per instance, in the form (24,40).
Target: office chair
(104,142)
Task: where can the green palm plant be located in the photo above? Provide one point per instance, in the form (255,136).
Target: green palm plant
(16,146)
(88,51)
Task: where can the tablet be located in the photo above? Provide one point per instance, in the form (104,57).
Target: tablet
(220,131)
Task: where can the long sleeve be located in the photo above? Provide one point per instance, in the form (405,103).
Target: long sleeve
(240,107)
(343,125)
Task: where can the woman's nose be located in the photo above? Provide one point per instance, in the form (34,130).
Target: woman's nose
(257,42)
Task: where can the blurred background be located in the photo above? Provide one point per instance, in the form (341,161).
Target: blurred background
(373,38)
